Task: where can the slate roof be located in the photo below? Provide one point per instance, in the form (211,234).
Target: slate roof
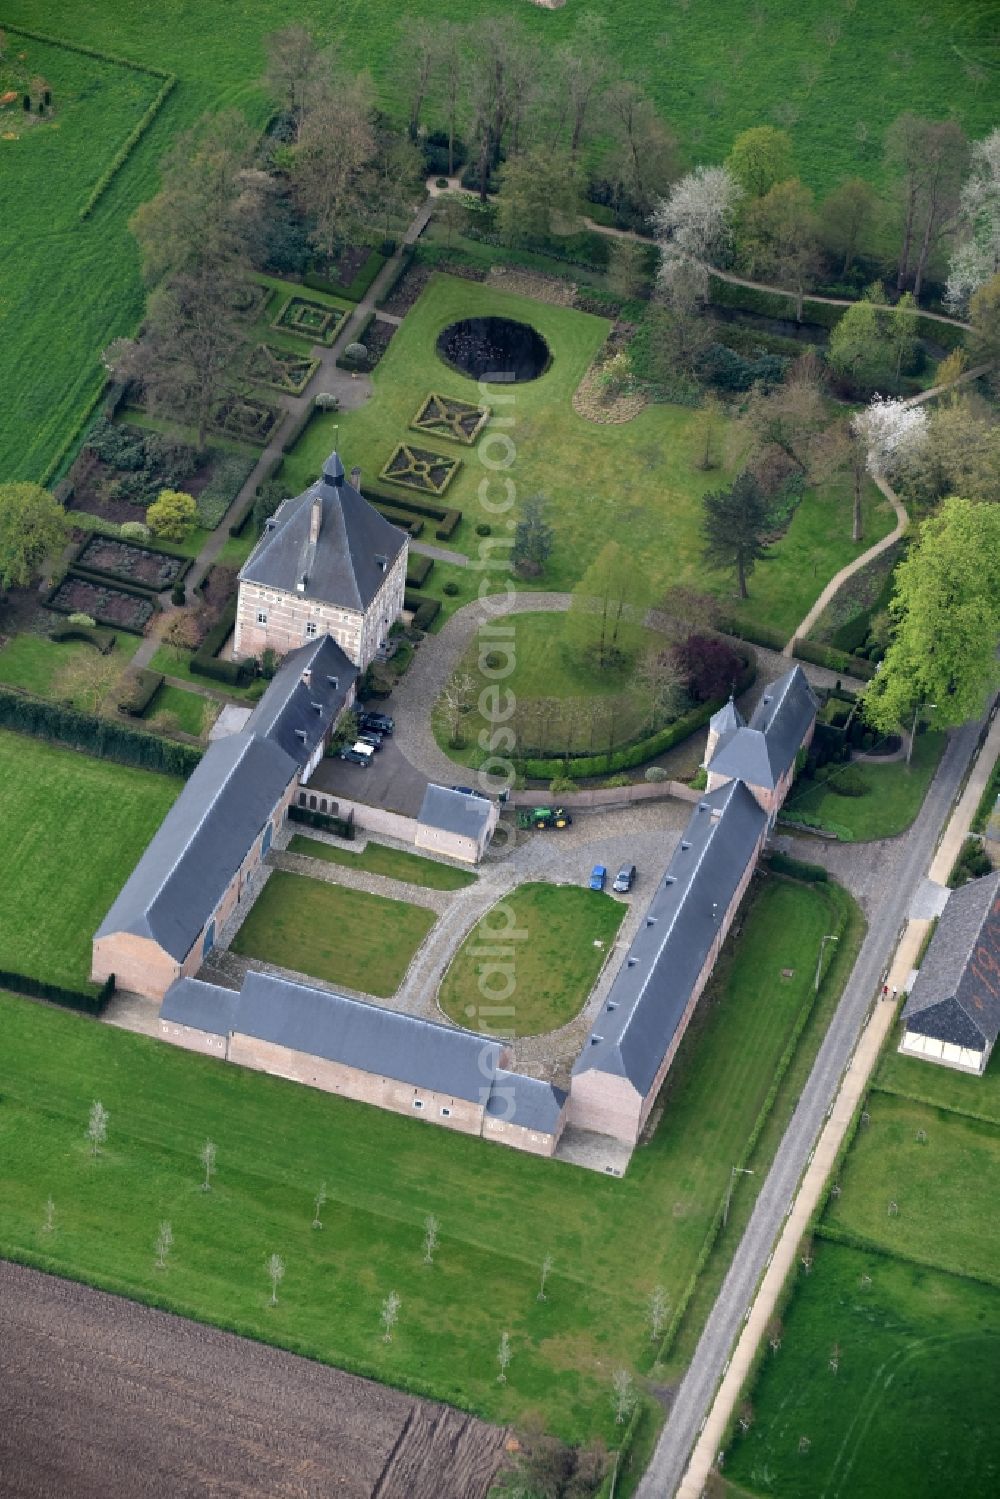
(726,721)
(295,713)
(347,565)
(956,995)
(650,991)
(204,1007)
(762,751)
(386,1043)
(455,811)
(526,1101)
(202,842)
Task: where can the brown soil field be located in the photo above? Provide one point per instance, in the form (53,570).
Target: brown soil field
(104,1399)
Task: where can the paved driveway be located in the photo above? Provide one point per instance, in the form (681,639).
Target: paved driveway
(390,781)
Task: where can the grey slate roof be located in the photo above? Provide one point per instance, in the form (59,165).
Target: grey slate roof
(294,713)
(726,721)
(202,842)
(649,993)
(204,1007)
(956,996)
(455,811)
(345,566)
(761,752)
(386,1043)
(526,1101)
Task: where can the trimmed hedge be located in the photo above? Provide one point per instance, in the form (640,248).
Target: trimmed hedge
(104,640)
(448,520)
(355,289)
(343,363)
(102,737)
(833,660)
(797,869)
(402,266)
(140,689)
(299,425)
(411,524)
(204,662)
(71,999)
(424,609)
(418,570)
(745,629)
(342,826)
(129,144)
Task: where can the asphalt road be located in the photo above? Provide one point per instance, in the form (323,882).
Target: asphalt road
(697,1389)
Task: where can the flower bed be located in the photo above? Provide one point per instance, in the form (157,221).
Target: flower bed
(444,416)
(420,469)
(282,370)
(310,320)
(247,419)
(132,564)
(104,604)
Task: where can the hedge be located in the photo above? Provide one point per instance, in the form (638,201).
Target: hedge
(358,337)
(745,629)
(299,425)
(417,570)
(127,147)
(411,524)
(140,689)
(104,640)
(839,661)
(204,662)
(355,289)
(102,737)
(91,575)
(71,999)
(399,271)
(448,520)
(797,869)
(342,826)
(822,314)
(58,41)
(424,609)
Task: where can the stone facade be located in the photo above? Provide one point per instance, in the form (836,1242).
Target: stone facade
(269,619)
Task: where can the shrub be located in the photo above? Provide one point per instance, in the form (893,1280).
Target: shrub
(139,689)
(655,774)
(482,529)
(613,782)
(710,665)
(81,619)
(560,784)
(424,609)
(172,516)
(183,631)
(133,530)
(699,780)
(178,595)
(973,862)
(441,182)
(342,826)
(796,869)
(387,248)
(844,780)
(451,589)
(356,353)
(325,400)
(418,570)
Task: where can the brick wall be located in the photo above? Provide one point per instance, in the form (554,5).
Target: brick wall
(534,1142)
(138,964)
(372,819)
(288,614)
(606,1104)
(193,1039)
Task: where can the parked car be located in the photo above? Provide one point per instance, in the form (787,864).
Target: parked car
(355,756)
(370,737)
(597,877)
(624,879)
(380,722)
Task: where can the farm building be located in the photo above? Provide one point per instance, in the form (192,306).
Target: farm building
(952,1016)
(456,824)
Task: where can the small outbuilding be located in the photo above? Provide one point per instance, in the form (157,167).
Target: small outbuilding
(952,1017)
(456,823)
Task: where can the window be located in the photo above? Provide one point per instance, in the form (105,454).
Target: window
(446,1113)
(265,842)
(418,1103)
(209,942)
(310,629)
(262,616)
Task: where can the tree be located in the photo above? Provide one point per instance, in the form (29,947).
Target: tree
(626,268)
(984,315)
(164,1244)
(607,609)
(540,196)
(89,680)
(580,73)
(295,67)
(431,1227)
(503,1357)
(760,158)
(500,70)
(453,73)
(789,418)
(693,223)
(660,679)
(392,181)
(207,1157)
(390,1315)
(779,238)
(172,515)
(656,1311)
(846,218)
(97,1126)
(946,621)
(534,538)
(545,1468)
(977,255)
(873,342)
(928,158)
(416,65)
(318,1203)
(33,525)
(734,526)
(641,157)
(684,611)
(275,1274)
(961,455)
(893,433)
(455,701)
(706,430)
(547,1266)
(709,665)
(623,1397)
(331,162)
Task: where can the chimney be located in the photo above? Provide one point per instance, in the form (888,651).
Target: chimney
(356,478)
(315,520)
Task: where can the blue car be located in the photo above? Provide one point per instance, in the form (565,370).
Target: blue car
(597,877)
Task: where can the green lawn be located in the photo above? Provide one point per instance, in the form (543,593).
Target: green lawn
(36,663)
(394,863)
(893,798)
(641,473)
(540,980)
(175,708)
(612,1240)
(333,933)
(941,1087)
(910,1412)
(73,829)
(174,661)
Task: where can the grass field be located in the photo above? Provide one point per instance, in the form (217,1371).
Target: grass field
(909,1413)
(174,707)
(612,1240)
(942,1088)
(644,469)
(556,960)
(333,933)
(36,663)
(394,863)
(891,802)
(73,829)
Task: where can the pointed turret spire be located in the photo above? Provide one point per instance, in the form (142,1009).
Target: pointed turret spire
(333,470)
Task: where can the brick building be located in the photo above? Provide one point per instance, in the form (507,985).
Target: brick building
(953,1014)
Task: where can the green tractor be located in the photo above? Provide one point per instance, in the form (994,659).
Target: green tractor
(544,817)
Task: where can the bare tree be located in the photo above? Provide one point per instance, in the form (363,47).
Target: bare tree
(390,1315)
(49,1220)
(623,1396)
(275,1274)
(431,1227)
(500,71)
(455,702)
(331,161)
(295,66)
(318,1203)
(581,72)
(835,1358)
(164,1243)
(745,1416)
(660,678)
(207,1158)
(416,63)
(929,157)
(657,1313)
(641,159)
(775,1333)
(706,428)
(503,1357)
(90,681)
(547,1266)
(452,39)
(97,1126)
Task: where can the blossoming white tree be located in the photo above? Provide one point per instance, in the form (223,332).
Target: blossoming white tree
(977,255)
(693,223)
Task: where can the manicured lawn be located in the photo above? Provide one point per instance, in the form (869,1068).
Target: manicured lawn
(543,977)
(910,1412)
(36,663)
(332,933)
(73,829)
(173,661)
(893,798)
(183,710)
(612,1240)
(941,1087)
(642,473)
(394,863)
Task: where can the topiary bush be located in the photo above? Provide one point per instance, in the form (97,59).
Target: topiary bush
(451,589)
(482,529)
(134,530)
(356,353)
(655,774)
(81,619)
